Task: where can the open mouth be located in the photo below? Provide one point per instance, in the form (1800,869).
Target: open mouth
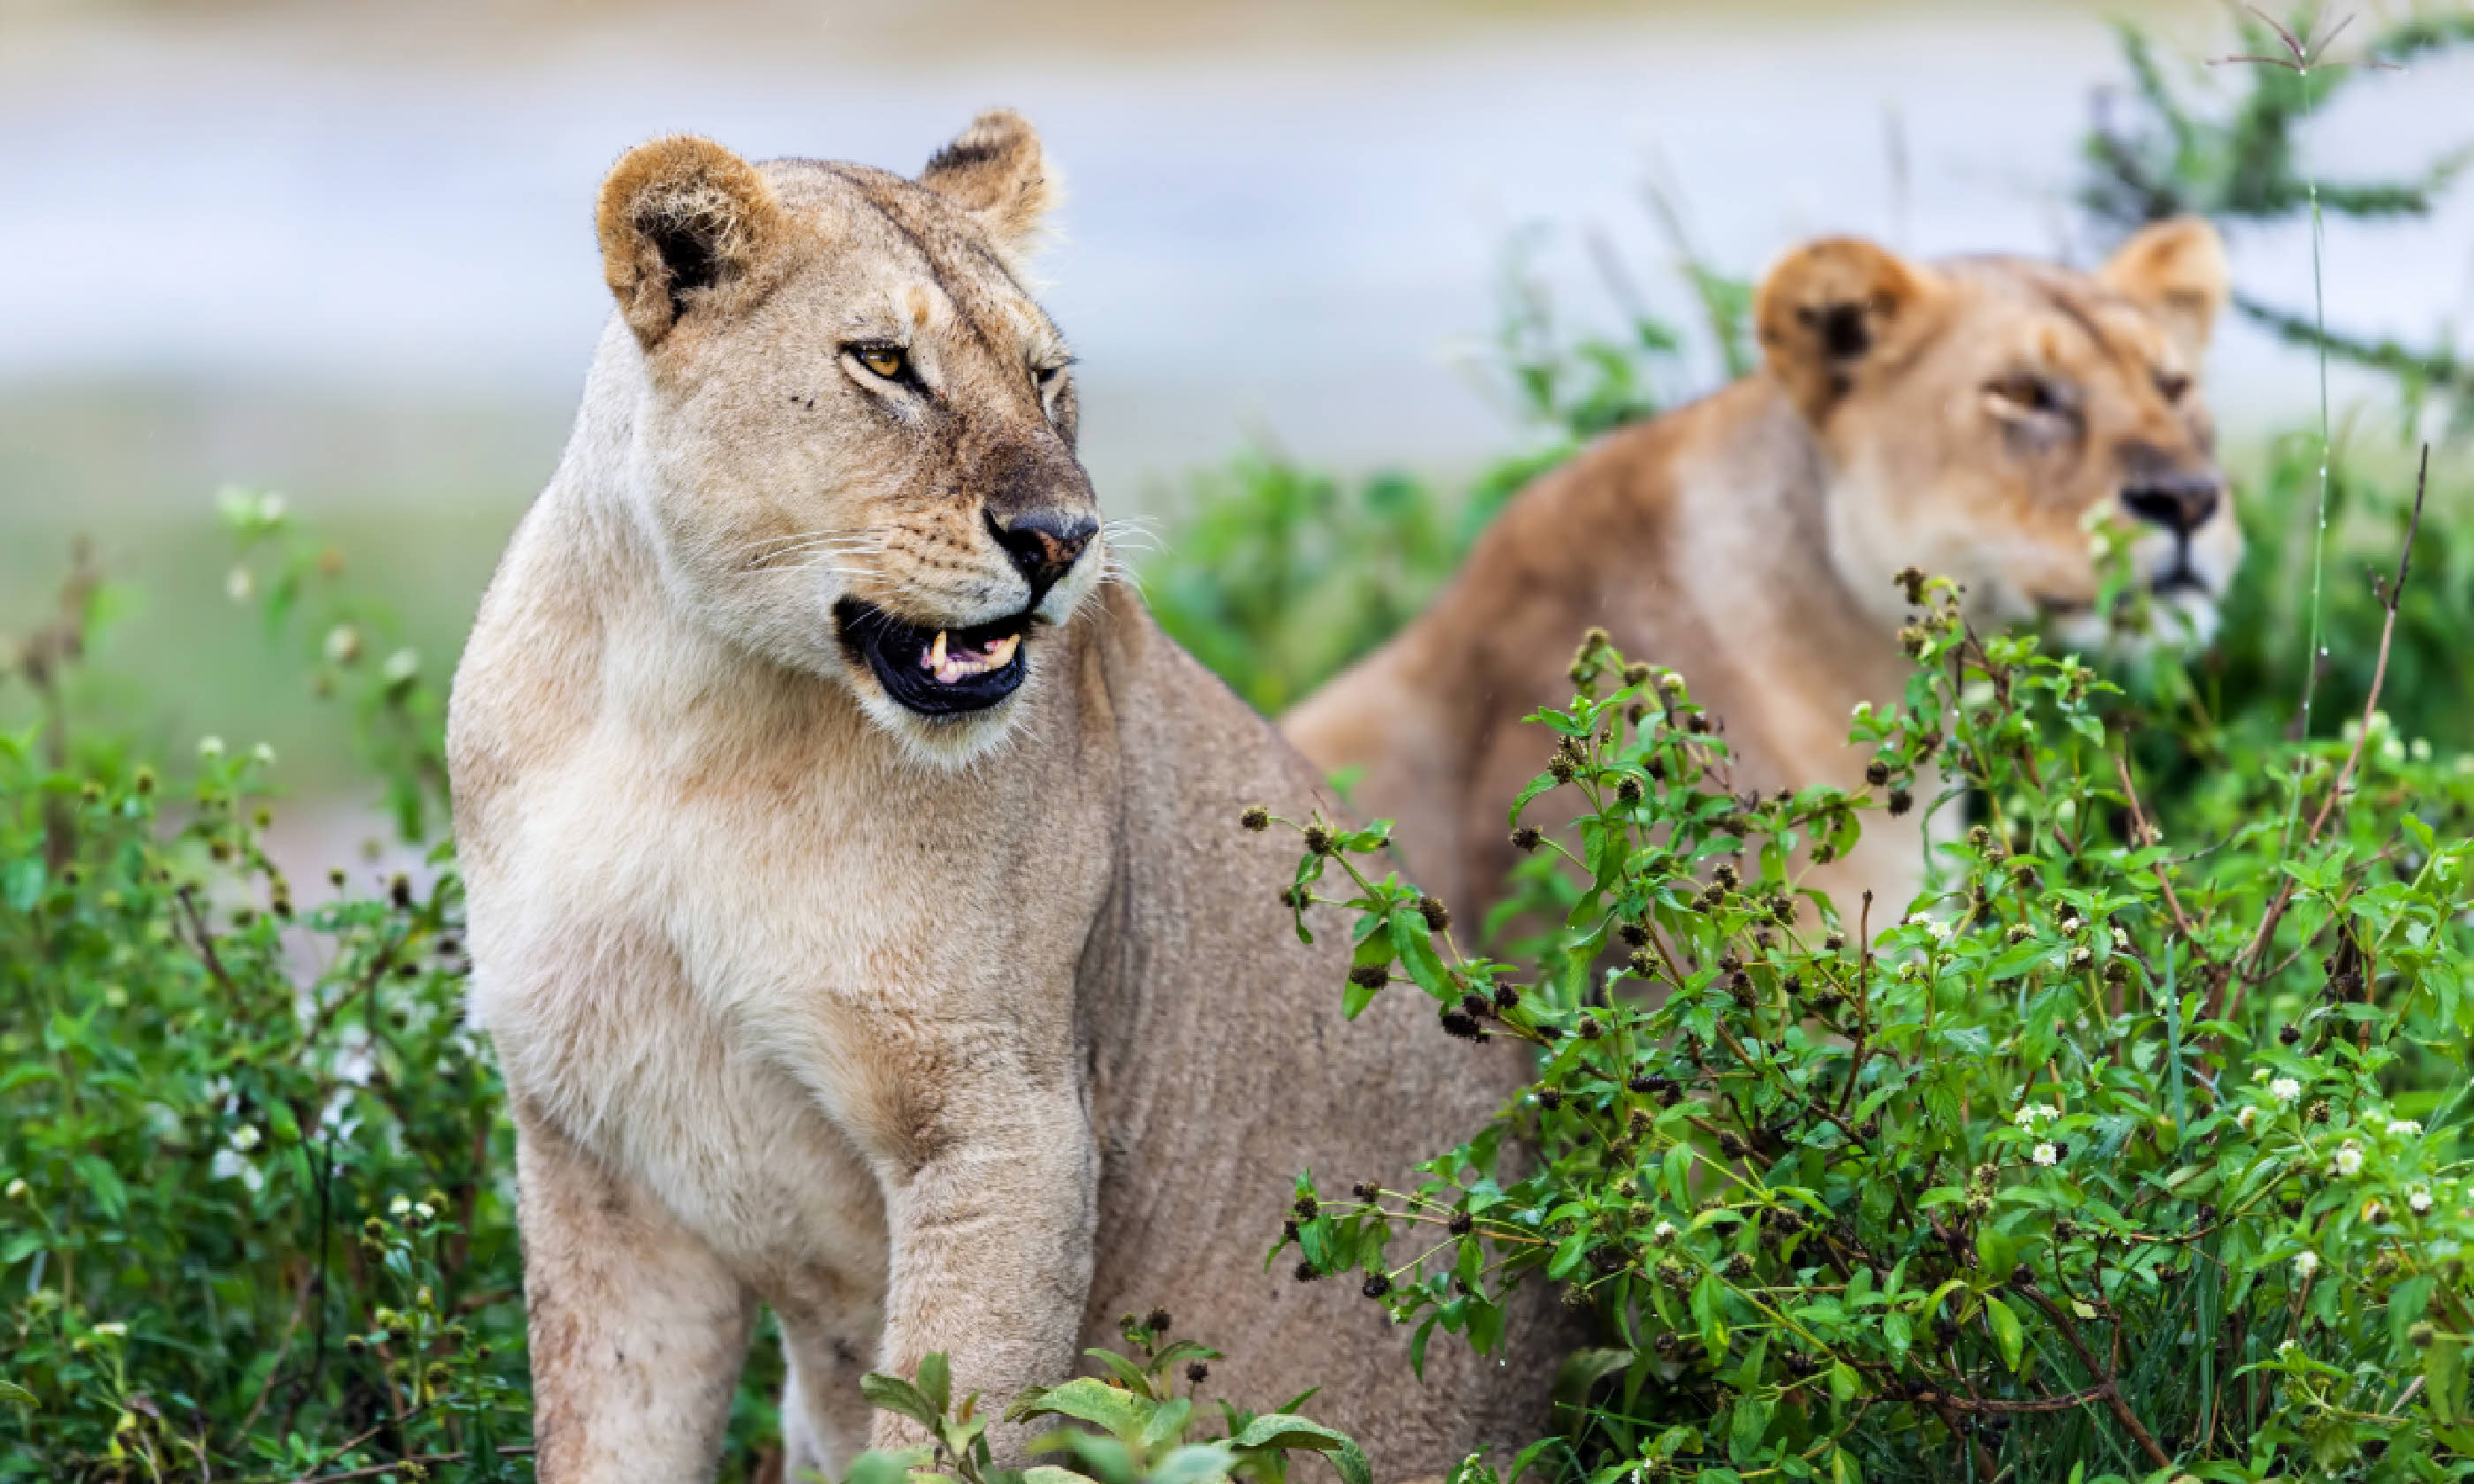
(936,672)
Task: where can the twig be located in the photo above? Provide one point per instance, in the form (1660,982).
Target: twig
(2390,600)
(2139,822)
(291,1327)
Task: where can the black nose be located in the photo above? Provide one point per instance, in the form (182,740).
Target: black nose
(2180,503)
(1043,544)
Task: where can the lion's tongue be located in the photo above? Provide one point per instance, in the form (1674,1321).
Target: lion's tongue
(951,666)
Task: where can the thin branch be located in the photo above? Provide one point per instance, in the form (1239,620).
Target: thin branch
(2390,600)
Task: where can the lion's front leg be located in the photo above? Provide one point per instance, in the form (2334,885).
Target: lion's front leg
(638,1333)
(992,1227)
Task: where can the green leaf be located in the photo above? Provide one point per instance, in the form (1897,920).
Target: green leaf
(2006,1333)
(1283,1430)
(1844,1384)
(21,884)
(1195,1463)
(892,1393)
(935,1381)
(1088,1400)
(11,1391)
(878,1467)
(1415,942)
(1745,1430)
(1168,1424)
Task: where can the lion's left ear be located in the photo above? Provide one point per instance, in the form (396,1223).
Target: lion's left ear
(998,175)
(2176,270)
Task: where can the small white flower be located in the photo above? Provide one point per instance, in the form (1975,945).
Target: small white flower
(2120,938)
(2305,1263)
(423,1210)
(2035,1113)
(18,1191)
(270,507)
(399,1206)
(2404,1128)
(2349,1158)
(2248,1119)
(263,754)
(114,1327)
(403,665)
(1663,1231)
(238,583)
(1939,929)
(2070,924)
(2420,749)
(2285,1090)
(210,747)
(244,1138)
(2046,1154)
(343,644)
(2418,1200)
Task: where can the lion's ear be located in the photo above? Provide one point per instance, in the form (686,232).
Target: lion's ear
(2176,270)
(1832,311)
(683,223)
(998,175)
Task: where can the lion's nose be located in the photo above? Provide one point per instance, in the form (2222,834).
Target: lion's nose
(2180,503)
(1043,544)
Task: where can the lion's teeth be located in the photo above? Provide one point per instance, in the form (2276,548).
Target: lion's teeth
(1001,650)
(935,656)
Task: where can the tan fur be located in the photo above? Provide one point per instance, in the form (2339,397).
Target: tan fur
(1750,540)
(967,1036)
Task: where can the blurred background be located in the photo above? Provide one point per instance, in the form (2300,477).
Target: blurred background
(343,251)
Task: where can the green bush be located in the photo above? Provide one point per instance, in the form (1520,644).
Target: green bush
(2116,1153)
(255,1219)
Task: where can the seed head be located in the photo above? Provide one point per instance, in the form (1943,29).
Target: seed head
(1527,838)
(1306,1208)
(1458,1222)
(1478,1006)
(1901,801)
(1318,840)
(1437,916)
(1550,1099)
(1507,996)
(1376,1286)
(1876,774)
(1629,791)
(1723,875)
(1158,1320)
(1256,818)
(1459,1023)
(1912,581)
(1589,1028)
(1305,1273)
(1833,942)
(1369,976)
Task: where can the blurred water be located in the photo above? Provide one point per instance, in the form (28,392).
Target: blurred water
(1261,240)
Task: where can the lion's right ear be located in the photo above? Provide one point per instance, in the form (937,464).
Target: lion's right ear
(683,223)
(1835,310)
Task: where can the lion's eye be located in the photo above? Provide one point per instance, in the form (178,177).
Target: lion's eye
(2024,391)
(887,361)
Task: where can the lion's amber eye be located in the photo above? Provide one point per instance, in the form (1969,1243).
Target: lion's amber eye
(887,361)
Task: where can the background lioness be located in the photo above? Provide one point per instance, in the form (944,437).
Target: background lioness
(856,901)
(1967,417)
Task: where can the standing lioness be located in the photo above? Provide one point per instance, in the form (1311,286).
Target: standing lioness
(856,901)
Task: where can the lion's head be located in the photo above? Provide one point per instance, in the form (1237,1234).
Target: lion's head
(1981,416)
(853,429)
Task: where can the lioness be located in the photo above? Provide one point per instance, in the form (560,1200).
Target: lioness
(1966,417)
(857,900)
